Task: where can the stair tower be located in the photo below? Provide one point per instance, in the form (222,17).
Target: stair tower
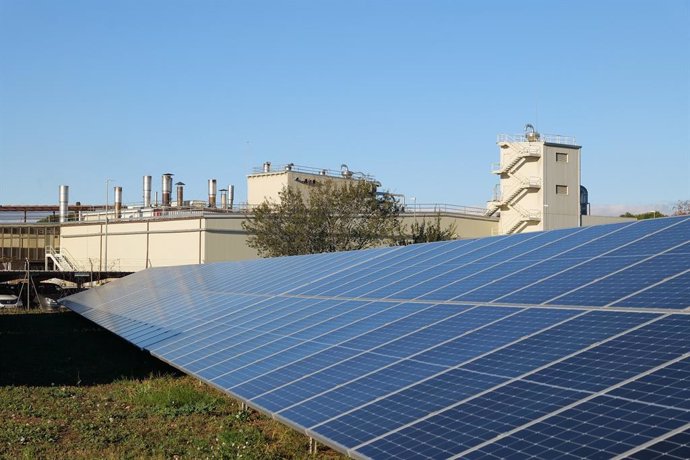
(539,182)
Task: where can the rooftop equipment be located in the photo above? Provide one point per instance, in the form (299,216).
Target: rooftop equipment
(64,202)
(166,188)
(180,194)
(212,192)
(345,171)
(223,198)
(118,202)
(147,191)
(531,134)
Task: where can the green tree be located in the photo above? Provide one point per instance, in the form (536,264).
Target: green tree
(429,231)
(333,217)
(645,215)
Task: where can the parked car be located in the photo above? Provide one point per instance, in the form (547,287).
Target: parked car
(10,301)
(47,302)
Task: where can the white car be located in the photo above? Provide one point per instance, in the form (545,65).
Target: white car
(10,301)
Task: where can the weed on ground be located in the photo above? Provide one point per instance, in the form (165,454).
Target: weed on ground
(70,389)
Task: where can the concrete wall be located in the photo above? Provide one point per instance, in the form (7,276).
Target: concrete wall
(561,210)
(263,186)
(601,220)
(133,246)
(225,239)
(466,226)
(136,245)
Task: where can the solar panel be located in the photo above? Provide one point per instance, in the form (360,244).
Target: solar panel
(564,344)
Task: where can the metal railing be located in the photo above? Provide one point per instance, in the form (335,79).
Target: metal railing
(552,138)
(444,208)
(309,170)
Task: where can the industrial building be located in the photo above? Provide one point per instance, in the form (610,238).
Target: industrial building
(539,189)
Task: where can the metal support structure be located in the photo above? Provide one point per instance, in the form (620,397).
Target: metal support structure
(107,199)
(313,446)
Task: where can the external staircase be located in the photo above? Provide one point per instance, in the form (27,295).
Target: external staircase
(61,260)
(515,185)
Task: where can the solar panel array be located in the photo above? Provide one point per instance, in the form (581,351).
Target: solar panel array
(563,344)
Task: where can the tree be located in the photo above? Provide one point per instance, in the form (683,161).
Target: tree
(333,217)
(645,215)
(429,231)
(681,208)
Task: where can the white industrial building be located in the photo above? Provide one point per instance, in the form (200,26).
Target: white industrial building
(539,189)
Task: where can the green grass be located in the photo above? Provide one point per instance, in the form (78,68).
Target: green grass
(70,389)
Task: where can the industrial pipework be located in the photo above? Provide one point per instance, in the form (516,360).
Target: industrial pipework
(180,194)
(212,192)
(166,189)
(64,202)
(147,191)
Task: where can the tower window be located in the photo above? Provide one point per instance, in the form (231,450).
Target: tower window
(561,189)
(561,157)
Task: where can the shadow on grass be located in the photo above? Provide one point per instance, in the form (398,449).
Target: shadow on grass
(44,349)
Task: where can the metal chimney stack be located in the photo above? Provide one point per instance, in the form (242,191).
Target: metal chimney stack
(118,202)
(166,189)
(212,191)
(64,203)
(180,194)
(231,195)
(223,198)
(147,191)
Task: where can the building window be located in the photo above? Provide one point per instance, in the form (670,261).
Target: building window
(561,157)
(561,190)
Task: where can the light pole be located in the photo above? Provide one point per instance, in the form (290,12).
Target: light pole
(414,208)
(107,199)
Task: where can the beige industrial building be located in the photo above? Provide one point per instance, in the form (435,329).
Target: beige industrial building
(539,189)
(136,237)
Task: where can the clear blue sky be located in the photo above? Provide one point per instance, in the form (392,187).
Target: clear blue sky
(413,92)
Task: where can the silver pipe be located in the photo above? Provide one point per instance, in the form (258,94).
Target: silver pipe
(64,203)
(180,194)
(231,195)
(118,202)
(166,188)
(212,191)
(147,191)
(223,198)
(267,167)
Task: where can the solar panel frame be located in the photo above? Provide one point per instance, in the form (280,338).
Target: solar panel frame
(316,344)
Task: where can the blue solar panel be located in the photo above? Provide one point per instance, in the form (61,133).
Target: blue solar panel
(579,349)
(676,447)
(602,427)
